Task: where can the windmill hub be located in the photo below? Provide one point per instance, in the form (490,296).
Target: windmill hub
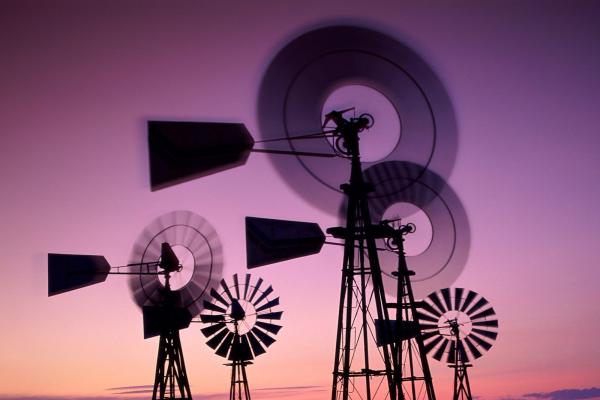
(243,313)
(452,320)
(180,276)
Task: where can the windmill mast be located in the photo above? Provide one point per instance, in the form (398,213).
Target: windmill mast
(360,363)
(462,388)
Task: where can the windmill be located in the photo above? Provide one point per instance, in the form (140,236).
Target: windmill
(240,325)
(323,155)
(460,327)
(173,263)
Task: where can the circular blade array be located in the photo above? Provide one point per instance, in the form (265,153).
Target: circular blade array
(471,314)
(198,249)
(446,255)
(298,80)
(240,318)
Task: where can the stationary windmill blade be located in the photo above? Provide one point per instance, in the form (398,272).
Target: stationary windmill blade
(240,318)
(192,259)
(457,321)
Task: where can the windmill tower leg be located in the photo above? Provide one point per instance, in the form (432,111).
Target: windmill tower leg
(362,369)
(462,388)
(410,355)
(171,381)
(239,381)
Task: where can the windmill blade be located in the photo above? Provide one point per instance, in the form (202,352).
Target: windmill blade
(428,326)
(426,317)
(458,293)
(236,285)
(446,296)
(436,300)
(272,328)
(263,337)
(451,353)
(73,271)
(182,151)
(256,289)
(218,297)
(240,349)
(218,338)
(212,329)
(480,303)
(487,334)
(492,323)
(428,307)
(269,304)
(270,241)
(472,348)
(468,300)
(463,353)
(485,313)
(213,307)
(271,315)
(211,318)
(263,296)
(480,341)
(440,351)
(246,286)
(225,346)
(429,335)
(429,346)
(257,348)
(226,289)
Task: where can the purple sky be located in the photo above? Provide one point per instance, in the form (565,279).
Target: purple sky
(78,80)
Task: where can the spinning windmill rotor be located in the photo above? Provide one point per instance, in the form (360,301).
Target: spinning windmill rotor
(174,262)
(458,326)
(196,246)
(240,325)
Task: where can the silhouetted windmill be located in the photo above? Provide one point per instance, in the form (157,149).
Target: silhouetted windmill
(289,106)
(175,260)
(460,327)
(240,326)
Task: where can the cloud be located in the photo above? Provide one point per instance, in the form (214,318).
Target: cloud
(566,394)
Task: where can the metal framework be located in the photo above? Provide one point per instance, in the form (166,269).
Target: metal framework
(410,354)
(239,381)
(171,381)
(462,387)
(362,369)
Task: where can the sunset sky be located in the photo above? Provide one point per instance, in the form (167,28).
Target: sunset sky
(79,80)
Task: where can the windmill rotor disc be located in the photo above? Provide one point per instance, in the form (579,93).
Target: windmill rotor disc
(241,318)
(444,257)
(448,312)
(197,247)
(304,72)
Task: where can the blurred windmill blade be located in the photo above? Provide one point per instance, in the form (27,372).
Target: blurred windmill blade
(73,271)
(157,319)
(272,240)
(182,151)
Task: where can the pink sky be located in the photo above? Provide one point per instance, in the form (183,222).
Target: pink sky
(79,80)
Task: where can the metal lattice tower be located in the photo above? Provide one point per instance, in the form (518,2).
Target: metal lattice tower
(171,381)
(362,369)
(462,388)
(410,355)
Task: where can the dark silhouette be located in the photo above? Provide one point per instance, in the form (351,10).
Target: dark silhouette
(240,321)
